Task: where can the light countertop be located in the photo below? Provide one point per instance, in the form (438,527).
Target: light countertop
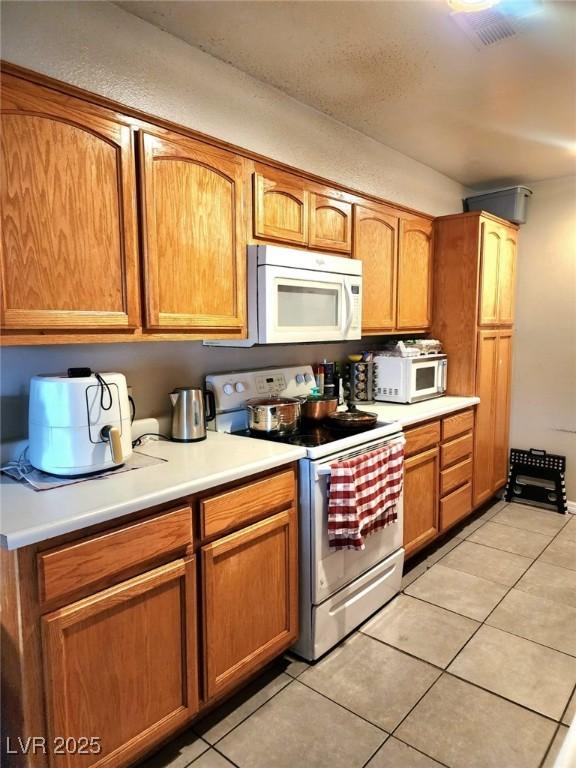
(28,516)
(427,409)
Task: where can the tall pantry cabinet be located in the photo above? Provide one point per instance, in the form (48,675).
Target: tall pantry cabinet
(475,262)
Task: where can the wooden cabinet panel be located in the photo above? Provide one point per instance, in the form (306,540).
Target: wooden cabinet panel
(502,409)
(226,511)
(490,245)
(376,245)
(457,424)
(486,379)
(420,438)
(193,247)
(330,223)
(420,500)
(281,207)
(121,665)
(415,274)
(455,506)
(69,255)
(455,476)
(456,449)
(72,567)
(507,278)
(250,582)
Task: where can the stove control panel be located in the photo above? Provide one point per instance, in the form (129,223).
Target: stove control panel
(231,390)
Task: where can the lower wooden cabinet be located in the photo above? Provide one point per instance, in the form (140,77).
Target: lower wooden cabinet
(420,499)
(120,665)
(250,599)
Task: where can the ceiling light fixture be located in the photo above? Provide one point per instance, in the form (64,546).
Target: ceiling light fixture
(471,6)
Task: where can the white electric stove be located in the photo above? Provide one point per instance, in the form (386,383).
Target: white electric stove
(339,589)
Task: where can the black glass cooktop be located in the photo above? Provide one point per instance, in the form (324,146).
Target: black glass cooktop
(309,435)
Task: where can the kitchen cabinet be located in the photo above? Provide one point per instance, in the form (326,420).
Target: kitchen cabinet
(69,258)
(144,632)
(330,223)
(415,275)
(250,598)
(437,477)
(396,256)
(289,209)
(376,245)
(421,473)
(475,258)
(133,630)
(194,253)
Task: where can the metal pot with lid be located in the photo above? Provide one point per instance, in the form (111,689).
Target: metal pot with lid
(274,414)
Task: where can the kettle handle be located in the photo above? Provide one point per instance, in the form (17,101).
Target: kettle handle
(210,405)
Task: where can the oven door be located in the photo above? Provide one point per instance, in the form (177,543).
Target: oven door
(333,569)
(427,379)
(297,305)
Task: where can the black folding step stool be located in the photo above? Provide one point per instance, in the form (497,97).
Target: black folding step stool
(538,476)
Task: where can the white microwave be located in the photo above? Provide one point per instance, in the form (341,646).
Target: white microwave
(297,296)
(409,379)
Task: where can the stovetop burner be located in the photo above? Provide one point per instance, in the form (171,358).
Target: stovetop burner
(310,435)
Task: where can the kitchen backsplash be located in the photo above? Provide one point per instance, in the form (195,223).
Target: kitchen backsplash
(152,369)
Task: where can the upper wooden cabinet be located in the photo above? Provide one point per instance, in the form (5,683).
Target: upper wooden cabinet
(281,208)
(330,223)
(288,209)
(194,254)
(497,275)
(376,245)
(68,213)
(415,275)
(144,630)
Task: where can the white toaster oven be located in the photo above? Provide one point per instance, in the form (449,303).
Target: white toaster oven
(409,379)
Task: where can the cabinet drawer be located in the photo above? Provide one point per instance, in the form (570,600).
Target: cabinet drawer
(454,476)
(421,438)
(73,567)
(233,509)
(457,424)
(455,506)
(455,450)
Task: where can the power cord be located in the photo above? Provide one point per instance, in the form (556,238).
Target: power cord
(138,441)
(20,467)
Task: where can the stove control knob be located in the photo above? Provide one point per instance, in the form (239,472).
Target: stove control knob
(299,378)
(239,386)
(228,389)
(309,377)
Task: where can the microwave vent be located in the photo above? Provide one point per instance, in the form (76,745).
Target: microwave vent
(387,390)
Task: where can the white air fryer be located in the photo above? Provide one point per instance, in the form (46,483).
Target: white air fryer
(79,423)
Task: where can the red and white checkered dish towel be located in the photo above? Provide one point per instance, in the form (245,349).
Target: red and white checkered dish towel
(363,494)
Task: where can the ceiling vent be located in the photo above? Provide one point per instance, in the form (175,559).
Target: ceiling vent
(486,28)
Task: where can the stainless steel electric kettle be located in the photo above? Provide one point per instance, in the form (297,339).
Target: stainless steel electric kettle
(192,407)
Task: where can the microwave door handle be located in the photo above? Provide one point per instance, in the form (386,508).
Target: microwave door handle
(444,366)
(349,307)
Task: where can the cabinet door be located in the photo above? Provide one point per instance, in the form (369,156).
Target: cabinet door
(193,248)
(280,208)
(69,255)
(330,223)
(375,244)
(415,274)
(506,278)
(421,473)
(250,582)
(491,243)
(486,382)
(121,665)
(502,409)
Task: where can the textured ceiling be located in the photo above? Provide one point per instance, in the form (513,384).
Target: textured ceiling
(402,72)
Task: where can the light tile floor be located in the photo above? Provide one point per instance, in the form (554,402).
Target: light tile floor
(473,665)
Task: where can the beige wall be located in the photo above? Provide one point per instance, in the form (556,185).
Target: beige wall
(102,48)
(544,364)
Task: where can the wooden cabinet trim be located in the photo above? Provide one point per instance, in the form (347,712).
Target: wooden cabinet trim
(70,568)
